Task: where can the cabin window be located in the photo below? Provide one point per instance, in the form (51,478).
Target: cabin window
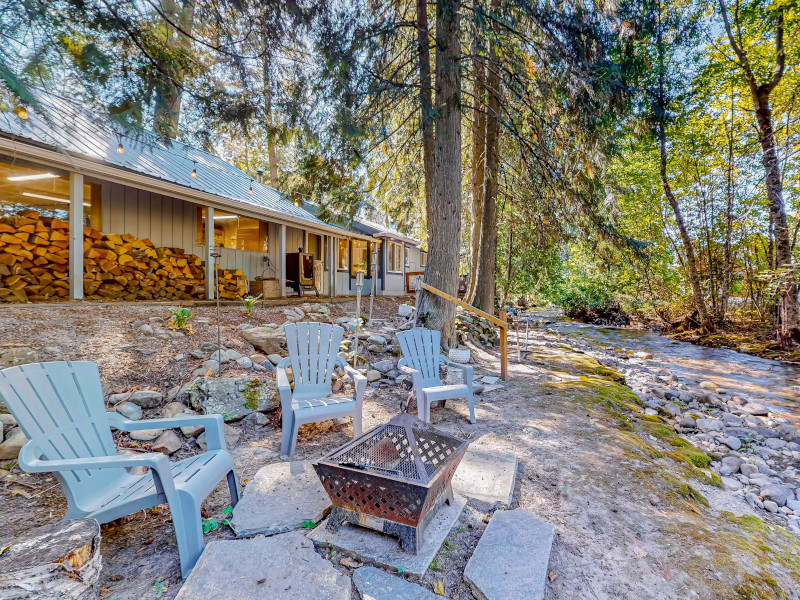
(233,231)
(360,257)
(408,256)
(394,254)
(343,258)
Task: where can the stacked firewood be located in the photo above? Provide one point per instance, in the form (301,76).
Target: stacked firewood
(34,264)
(232,284)
(124,267)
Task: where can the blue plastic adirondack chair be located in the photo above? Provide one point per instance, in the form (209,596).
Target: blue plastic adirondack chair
(421,358)
(312,356)
(59,406)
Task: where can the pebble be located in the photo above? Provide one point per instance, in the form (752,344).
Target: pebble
(732,442)
(245,362)
(770,506)
(145,435)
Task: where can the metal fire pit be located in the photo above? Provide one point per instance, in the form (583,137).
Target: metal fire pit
(392,479)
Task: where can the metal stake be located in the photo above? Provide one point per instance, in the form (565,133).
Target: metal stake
(359,285)
(216,255)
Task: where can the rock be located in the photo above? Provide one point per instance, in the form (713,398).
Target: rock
(243,326)
(282,567)
(373,375)
(129,410)
(774,443)
(256,419)
(732,442)
(731,484)
(776,492)
(383,366)
(377,584)
(231,434)
(167,443)
(708,385)
(709,425)
(142,398)
(220,356)
(275,359)
(244,362)
(208,347)
(145,329)
(686,397)
(265,339)
(233,354)
(650,412)
(755,409)
(198,354)
(178,358)
(732,462)
(7,422)
(377,339)
(486,476)
(770,506)
(672,409)
(279,498)
(793,505)
(13,443)
(12,357)
(688,423)
(258,358)
(173,409)
(51,350)
(234,398)
(145,435)
(493,573)
(731,420)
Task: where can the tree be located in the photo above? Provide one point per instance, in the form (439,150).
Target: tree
(788,332)
(444,226)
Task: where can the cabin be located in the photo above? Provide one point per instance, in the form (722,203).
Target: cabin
(89,211)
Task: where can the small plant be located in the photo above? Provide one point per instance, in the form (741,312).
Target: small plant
(212,524)
(159,588)
(180,317)
(249,302)
(749,445)
(308,524)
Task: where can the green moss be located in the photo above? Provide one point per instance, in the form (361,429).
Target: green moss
(681,489)
(682,451)
(759,587)
(252,394)
(652,418)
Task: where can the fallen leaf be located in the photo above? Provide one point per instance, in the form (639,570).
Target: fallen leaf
(140,549)
(667,574)
(5,549)
(262,580)
(149,541)
(438,588)
(552,575)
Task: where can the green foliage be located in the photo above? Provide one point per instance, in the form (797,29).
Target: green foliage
(308,524)
(180,317)
(252,394)
(249,302)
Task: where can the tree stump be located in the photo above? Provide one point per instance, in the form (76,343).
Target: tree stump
(55,562)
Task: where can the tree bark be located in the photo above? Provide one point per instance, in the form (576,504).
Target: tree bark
(789,312)
(508,265)
(271,156)
(444,224)
(486,273)
(169,90)
(478,151)
(726,257)
(691,261)
(425,100)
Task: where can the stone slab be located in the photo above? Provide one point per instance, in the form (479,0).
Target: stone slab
(279,498)
(288,565)
(384,550)
(377,584)
(486,476)
(511,558)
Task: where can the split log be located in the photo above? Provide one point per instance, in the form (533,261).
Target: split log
(60,561)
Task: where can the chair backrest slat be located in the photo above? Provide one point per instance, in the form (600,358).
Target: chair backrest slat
(421,348)
(312,352)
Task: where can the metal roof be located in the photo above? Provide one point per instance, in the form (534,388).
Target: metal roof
(370,228)
(71,129)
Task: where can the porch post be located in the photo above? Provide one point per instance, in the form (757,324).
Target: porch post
(76,236)
(305,240)
(331,266)
(282,260)
(210,291)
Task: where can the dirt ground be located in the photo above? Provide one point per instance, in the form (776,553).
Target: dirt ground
(630,523)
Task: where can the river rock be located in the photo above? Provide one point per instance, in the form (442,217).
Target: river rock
(732,442)
(7,422)
(732,463)
(672,409)
(265,339)
(770,506)
(650,412)
(232,436)
(776,492)
(221,356)
(774,443)
(373,375)
(145,435)
(384,366)
(274,359)
(688,423)
(234,398)
(748,469)
(142,398)
(709,425)
(129,410)
(755,409)
(12,357)
(13,443)
(730,420)
(167,443)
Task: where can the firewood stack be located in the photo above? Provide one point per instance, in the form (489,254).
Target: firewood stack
(34,264)
(232,284)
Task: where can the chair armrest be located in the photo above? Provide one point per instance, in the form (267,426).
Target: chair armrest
(214,424)
(416,376)
(284,388)
(355,374)
(29,460)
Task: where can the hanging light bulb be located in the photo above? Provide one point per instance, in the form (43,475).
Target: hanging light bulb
(250,191)
(120,149)
(194,170)
(21,112)
(297,202)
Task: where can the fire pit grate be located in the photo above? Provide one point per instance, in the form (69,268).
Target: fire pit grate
(392,478)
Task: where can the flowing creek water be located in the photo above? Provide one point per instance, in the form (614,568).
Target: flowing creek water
(756,378)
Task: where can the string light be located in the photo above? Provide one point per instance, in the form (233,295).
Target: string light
(120,149)
(21,112)
(297,202)
(194,170)
(251,187)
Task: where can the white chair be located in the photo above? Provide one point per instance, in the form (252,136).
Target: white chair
(421,358)
(312,356)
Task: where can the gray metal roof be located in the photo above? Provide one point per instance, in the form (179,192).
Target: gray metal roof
(70,128)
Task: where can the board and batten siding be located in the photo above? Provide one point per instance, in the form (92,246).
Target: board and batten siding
(172,223)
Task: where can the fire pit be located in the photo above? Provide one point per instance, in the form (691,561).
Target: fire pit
(392,479)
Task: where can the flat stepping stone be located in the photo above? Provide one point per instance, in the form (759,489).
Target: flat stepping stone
(486,476)
(279,498)
(495,572)
(377,584)
(282,567)
(384,550)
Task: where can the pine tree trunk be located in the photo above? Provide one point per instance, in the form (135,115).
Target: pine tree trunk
(486,273)
(425,100)
(444,224)
(271,156)
(691,262)
(169,90)
(478,152)
(726,258)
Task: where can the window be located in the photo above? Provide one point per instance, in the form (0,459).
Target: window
(343,259)
(233,231)
(408,257)
(314,246)
(394,254)
(423,258)
(360,257)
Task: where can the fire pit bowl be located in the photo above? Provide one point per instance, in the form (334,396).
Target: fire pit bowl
(392,478)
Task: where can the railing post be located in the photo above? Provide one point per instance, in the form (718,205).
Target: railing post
(504,347)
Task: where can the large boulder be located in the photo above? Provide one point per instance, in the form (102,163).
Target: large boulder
(266,340)
(233,398)
(11,357)
(13,443)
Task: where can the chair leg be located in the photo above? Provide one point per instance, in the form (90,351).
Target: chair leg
(286,432)
(293,439)
(188,524)
(471,400)
(233,486)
